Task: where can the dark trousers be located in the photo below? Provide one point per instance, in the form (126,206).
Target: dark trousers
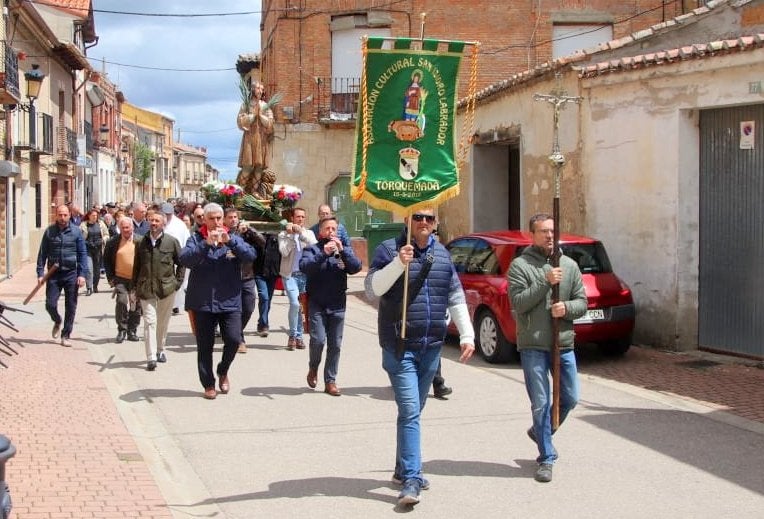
(230,331)
(248,298)
(95,255)
(127,313)
(265,288)
(66,281)
(438,381)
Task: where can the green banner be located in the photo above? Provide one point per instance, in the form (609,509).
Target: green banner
(405,153)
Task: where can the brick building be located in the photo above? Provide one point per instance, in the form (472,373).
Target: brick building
(311,55)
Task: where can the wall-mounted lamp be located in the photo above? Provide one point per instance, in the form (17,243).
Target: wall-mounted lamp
(34,80)
(103,134)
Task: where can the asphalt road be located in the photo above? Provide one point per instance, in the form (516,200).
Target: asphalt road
(273,447)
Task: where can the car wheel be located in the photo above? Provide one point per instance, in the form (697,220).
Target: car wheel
(490,341)
(615,348)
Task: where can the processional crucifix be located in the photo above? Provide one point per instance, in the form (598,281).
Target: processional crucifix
(558,99)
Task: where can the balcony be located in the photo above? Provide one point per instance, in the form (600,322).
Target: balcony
(336,98)
(43,142)
(9,76)
(66,146)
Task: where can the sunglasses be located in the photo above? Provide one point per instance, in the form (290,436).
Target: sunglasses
(419,217)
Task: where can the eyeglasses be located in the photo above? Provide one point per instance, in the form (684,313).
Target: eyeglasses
(199,215)
(419,217)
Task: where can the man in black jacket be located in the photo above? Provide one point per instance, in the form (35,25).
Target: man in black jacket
(62,245)
(326,266)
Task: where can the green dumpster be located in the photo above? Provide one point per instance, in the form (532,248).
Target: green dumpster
(376,233)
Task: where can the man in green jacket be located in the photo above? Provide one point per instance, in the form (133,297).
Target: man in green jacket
(531,278)
(157,274)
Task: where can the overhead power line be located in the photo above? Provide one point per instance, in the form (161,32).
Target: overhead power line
(165,69)
(160,15)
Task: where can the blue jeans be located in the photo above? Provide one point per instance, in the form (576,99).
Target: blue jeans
(410,377)
(294,286)
(66,281)
(537,370)
(265,288)
(230,331)
(248,295)
(326,326)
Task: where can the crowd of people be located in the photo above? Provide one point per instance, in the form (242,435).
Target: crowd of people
(202,258)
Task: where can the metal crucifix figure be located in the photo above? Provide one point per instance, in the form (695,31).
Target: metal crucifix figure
(558,100)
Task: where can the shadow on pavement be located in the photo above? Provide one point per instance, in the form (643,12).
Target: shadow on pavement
(525,468)
(301,488)
(686,437)
(149,395)
(118,365)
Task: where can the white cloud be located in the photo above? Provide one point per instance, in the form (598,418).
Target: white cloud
(203,104)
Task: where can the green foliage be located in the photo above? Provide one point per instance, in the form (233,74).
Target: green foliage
(143,165)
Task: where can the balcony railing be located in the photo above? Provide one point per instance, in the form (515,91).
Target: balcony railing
(66,147)
(337,98)
(43,141)
(9,76)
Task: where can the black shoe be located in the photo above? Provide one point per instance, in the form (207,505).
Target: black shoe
(175,311)
(151,366)
(441,392)
(89,292)
(131,336)
(161,357)
(120,337)
(95,289)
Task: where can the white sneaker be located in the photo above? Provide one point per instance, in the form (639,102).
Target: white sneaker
(65,342)
(161,357)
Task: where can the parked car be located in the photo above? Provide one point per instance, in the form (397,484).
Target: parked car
(482,261)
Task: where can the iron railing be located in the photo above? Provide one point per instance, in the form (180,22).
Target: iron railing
(336,98)
(66,147)
(10,74)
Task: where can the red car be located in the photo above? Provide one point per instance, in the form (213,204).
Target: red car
(482,260)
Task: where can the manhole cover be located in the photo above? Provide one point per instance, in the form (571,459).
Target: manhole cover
(699,364)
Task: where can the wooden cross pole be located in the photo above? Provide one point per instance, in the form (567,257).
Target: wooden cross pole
(558,99)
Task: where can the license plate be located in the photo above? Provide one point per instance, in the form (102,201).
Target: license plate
(595,315)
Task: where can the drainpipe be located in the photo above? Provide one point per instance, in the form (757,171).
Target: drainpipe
(76,122)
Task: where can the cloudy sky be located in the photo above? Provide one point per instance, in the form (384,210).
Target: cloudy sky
(188,64)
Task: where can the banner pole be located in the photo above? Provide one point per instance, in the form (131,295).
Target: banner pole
(405,281)
(422,16)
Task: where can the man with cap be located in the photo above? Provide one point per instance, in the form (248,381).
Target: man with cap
(178,230)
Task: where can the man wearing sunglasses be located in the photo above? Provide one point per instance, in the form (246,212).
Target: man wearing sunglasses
(411,361)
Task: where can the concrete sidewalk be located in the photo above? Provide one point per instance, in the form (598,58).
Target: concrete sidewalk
(98,436)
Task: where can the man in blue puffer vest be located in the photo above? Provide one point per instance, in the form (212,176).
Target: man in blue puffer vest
(63,245)
(411,363)
(214,256)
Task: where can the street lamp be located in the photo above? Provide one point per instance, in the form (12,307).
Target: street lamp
(34,79)
(103,134)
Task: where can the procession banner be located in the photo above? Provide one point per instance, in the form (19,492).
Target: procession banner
(405,153)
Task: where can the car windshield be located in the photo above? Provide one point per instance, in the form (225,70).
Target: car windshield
(591,257)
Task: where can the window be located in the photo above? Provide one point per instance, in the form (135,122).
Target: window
(569,38)
(38,205)
(460,251)
(483,260)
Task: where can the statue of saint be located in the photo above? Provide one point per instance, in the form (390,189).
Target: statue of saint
(256,120)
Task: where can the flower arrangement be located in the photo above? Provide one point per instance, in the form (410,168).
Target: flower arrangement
(286,196)
(222,193)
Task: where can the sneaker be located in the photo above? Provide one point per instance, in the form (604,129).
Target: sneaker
(263,332)
(65,342)
(291,343)
(56,330)
(399,481)
(441,392)
(161,357)
(242,348)
(410,493)
(544,473)
(151,366)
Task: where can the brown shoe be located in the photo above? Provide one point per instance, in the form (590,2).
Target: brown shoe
(224,385)
(299,344)
(291,343)
(332,389)
(242,348)
(312,377)
(210,393)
